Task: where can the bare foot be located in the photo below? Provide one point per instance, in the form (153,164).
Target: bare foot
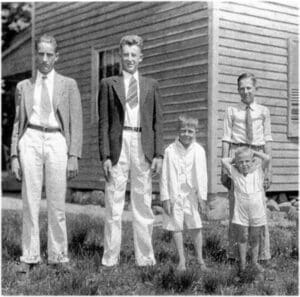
(203,266)
(181,267)
(258,267)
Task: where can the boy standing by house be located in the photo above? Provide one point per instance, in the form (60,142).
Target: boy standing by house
(249,214)
(183,188)
(247,125)
(131,142)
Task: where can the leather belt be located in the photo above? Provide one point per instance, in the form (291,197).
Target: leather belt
(135,129)
(44,129)
(254,147)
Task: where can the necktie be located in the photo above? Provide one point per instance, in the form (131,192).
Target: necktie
(249,126)
(45,103)
(132,96)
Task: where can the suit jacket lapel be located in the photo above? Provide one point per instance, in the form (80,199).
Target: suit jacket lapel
(29,96)
(120,89)
(143,90)
(57,86)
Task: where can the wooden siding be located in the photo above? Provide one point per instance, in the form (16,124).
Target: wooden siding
(175,53)
(253,37)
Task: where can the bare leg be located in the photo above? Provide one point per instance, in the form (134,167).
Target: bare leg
(177,235)
(242,244)
(254,243)
(197,238)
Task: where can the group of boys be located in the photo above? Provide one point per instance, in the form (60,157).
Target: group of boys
(47,139)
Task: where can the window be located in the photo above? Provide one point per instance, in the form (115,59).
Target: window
(293,87)
(105,63)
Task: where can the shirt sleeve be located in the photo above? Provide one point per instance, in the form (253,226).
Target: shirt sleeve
(267,125)
(164,188)
(227,125)
(201,174)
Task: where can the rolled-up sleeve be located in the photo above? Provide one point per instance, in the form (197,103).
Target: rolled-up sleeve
(267,125)
(227,125)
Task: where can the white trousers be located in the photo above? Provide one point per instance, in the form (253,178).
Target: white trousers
(132,159)
(43,155)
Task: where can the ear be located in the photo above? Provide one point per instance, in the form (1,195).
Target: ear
(56,56)
(141,58)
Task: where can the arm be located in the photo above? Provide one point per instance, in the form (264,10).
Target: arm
(264,157)
(227,163)
(15,163)
(164,189)
(157,128)
(104,147)
(268,147)
(226,146)
(75,130)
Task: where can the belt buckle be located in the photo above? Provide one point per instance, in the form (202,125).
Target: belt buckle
(44,129)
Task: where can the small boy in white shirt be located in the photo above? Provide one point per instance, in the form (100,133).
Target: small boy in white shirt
(249,215)
(183,188)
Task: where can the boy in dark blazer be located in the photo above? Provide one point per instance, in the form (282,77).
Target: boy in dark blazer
(131,144)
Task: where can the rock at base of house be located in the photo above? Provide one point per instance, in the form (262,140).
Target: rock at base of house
(293,214)
(295,203)
(272,205)
(282,197)
(285,206)
(97,198)
(157,210)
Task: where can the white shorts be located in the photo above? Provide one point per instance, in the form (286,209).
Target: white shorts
(185,214)
(249,210)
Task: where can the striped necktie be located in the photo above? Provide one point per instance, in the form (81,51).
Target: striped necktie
(132,96)
(249,125)
(45,106)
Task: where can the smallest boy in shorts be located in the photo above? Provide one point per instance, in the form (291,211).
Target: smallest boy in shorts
(183,188)
(249,214)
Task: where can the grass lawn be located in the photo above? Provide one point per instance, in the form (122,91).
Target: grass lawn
(85,237)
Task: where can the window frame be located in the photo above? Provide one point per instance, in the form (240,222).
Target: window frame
(95,77)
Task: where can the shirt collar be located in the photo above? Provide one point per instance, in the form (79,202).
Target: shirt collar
(180,146)
(127,75)
(50,75)
(242,105)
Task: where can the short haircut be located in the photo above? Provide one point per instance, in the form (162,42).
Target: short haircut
(48,39)
(184,120)
(132,40)
(246,75)
(243,150)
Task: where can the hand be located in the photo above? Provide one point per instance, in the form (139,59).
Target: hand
(202,207)
(167,207)
(72,167)
(225,180)
(156,165)
(267,180)
(107,166)
(16,168)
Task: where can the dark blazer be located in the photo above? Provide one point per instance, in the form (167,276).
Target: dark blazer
(111,106)
(67,107)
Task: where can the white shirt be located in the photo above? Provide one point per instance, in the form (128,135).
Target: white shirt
(183,166)
(132,115)
(35,117)
(235,124)
(249,185)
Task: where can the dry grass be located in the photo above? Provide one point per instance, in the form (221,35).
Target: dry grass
(85,237)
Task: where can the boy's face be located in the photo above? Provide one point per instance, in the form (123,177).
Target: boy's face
(247,90)
(186,135)
(244,163)
(131,57)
